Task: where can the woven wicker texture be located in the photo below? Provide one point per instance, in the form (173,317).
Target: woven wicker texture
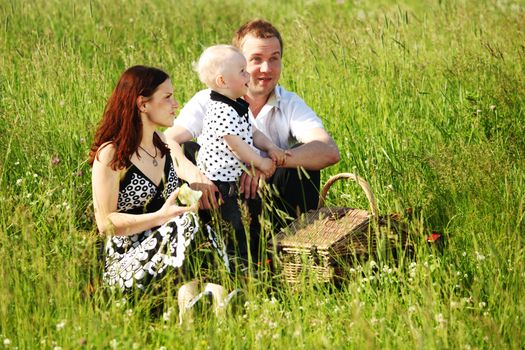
(322,241)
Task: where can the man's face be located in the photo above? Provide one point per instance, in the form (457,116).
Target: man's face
(264,64)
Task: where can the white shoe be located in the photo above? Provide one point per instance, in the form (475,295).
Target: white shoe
(186,294)
(219,295)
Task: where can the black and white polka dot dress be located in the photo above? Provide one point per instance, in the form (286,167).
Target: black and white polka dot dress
(224,116)
(134,261)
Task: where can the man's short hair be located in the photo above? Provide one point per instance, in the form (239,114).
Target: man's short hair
(259,28)
(214,61)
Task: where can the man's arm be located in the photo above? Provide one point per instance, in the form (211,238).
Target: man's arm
(188,124)
(178,134)
(318,151)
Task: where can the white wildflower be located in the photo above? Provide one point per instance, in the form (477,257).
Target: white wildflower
(440,319)
(61,325)
(129,312)
(18,182)
(167,315)
(411,309)
(7,342)
(119,303)
(479,257)
(113,343)
(482,304)
(57,348)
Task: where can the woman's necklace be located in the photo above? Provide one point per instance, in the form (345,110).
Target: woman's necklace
(155,163)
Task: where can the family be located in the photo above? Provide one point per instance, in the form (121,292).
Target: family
(250,131)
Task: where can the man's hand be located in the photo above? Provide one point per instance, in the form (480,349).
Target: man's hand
(249,183)
(209,192)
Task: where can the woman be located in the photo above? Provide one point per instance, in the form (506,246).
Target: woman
(135,183)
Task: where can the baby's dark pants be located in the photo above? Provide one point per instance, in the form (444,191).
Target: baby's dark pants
(297,193)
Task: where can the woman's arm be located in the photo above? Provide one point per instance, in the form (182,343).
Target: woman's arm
(105,182)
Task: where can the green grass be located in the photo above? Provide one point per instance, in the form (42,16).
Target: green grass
(425,100)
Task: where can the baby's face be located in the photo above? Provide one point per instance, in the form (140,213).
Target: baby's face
(236,77)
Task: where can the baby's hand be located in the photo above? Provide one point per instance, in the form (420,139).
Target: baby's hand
(278,155)
(267,167)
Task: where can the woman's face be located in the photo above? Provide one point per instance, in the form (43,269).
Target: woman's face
(160,108)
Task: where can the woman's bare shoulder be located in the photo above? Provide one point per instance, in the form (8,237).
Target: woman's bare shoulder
(105,153)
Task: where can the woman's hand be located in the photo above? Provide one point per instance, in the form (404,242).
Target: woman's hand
(170,208)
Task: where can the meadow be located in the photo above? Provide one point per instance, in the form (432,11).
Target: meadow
(425,99)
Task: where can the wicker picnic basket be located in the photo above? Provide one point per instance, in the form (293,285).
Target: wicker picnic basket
(324,242)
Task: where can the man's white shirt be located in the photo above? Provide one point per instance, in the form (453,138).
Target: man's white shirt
(284,118)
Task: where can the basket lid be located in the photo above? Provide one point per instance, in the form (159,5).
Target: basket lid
(324,227)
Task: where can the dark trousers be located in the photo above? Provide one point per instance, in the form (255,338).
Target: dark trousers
(243,243)
(296,191)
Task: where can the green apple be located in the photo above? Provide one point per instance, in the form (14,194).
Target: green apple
(187,196)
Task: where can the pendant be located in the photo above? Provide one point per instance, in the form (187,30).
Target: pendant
(155,163)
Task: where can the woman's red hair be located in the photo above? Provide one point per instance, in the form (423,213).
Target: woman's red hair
(121,124)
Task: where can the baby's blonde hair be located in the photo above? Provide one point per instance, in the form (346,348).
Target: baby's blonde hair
(214,61)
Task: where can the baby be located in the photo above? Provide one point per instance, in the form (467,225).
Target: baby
(228,137)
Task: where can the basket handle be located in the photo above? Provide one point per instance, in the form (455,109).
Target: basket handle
(360,181)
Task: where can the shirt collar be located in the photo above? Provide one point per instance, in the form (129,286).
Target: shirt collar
(240,106)
(275,98)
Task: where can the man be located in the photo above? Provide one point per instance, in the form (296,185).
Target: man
(279,114)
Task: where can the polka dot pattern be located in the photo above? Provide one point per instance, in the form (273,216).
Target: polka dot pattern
(215,159)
